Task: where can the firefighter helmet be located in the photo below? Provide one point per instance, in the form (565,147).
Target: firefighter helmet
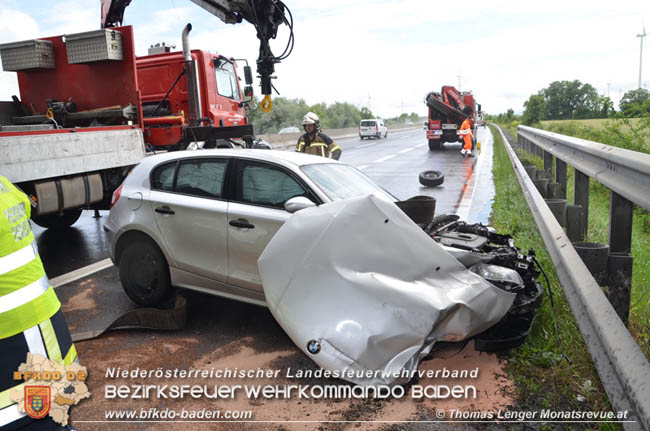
(310,118)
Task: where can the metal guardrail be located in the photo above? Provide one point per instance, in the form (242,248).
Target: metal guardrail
(622,171)
(623,369)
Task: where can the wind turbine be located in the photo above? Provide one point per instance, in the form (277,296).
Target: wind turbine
(641,36)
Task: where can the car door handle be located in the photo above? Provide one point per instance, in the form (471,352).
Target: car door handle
(243,223)
(165,210)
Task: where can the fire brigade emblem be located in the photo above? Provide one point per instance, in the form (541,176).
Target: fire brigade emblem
(37,401)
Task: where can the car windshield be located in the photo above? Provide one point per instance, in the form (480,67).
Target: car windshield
(340,181)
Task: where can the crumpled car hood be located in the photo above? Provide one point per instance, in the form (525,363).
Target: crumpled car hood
(361,284)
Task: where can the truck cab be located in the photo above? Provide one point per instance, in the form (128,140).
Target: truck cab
(220,99)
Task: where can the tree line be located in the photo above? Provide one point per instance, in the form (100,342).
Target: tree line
(574,100)
(289,112)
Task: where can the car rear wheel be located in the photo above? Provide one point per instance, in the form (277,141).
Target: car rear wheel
(144,273)
(431,178)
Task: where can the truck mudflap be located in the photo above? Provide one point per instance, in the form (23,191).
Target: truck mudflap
(366,292)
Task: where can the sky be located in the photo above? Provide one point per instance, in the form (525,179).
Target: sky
(389,54)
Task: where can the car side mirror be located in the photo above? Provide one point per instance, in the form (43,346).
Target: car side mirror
(298,203)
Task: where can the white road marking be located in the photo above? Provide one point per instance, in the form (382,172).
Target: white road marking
(383,159)
(366,145)
(80,273)
(407,150)
(362,167)
(420,145)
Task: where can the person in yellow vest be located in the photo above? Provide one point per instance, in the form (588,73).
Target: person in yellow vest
(31,319)
(466,133)
(314,141)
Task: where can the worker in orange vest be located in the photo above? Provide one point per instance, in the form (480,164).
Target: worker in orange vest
(466,133)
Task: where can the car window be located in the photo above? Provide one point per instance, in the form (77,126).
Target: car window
(268,185)
(163,177)
(202,178)
(340,181)
(367,123)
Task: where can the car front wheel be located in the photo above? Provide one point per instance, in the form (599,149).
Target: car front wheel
(144,273)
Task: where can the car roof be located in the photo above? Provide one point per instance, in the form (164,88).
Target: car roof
(280,157)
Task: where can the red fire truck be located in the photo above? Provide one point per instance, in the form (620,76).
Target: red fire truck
(89,109)
(447,111)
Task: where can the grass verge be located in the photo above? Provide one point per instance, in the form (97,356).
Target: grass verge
(545,379)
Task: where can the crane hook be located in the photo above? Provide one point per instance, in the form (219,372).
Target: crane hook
(267,103)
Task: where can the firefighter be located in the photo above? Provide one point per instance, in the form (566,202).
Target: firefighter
(466,133)
(314,141)
(30,313)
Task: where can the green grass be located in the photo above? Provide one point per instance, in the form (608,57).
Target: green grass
(630,133)
(545,379)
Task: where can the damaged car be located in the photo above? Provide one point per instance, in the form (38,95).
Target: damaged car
(359,280)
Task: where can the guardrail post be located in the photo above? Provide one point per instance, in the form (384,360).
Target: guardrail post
(620,263)
(581,197)
(560,177)
(548,164)
(620,224)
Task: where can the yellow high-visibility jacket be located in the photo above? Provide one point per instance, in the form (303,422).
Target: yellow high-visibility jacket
(322,145)
(30,315)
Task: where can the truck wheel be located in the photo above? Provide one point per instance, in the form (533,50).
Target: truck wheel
(431,178)
(434,145)
(144,273)
(58,221)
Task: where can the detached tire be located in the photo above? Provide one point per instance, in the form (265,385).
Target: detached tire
(144,273)
(431,178)
(56,221)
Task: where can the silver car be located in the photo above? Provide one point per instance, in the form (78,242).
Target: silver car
(200,219)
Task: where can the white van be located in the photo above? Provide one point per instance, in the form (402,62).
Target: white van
(373,128)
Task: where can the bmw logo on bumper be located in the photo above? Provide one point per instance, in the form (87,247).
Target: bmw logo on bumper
(313,346)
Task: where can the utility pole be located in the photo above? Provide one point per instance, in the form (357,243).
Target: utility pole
(459,76)
(608,84)
(641,36)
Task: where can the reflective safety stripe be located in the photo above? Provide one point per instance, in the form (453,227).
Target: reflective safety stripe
(10,414)
(52,344)
(318,144)
(24,295)
(71,356)
(18,258)
(27,315)
(5,397)
(35,341)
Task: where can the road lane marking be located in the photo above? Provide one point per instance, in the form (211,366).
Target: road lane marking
(407,150)
(383,159)
(366,145)
(362,167)
(420,145)
(80,273)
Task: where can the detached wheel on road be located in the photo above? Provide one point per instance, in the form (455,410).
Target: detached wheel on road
(58,221)
(431,178)
(144,273)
